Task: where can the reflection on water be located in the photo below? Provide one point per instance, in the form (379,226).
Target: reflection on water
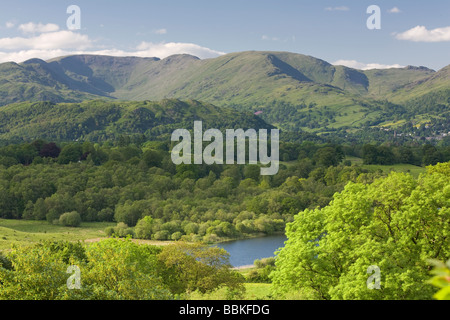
(245,252)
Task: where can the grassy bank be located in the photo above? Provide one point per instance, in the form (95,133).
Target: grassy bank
(253,291)
(25,232)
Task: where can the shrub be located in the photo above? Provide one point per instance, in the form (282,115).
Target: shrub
(122,230)
(176,236)
(264,262)
(161,235)
(109,231)
(70,219)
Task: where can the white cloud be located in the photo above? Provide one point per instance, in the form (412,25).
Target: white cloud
(163,50)
(32,27)
(48,41)
(422,34)
(145,49)
(364,66)
(342,8)
(10,25)
(161,31)
(394,10)
(23,55)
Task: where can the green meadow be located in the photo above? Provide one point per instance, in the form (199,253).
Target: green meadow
(25,232)
(415,171)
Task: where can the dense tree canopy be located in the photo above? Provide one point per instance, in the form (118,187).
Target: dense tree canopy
(396,223)
(149,197)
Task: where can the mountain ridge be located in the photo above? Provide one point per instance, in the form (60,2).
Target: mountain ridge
(248,81)
(112,81)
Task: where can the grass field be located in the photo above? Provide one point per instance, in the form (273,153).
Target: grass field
(253,291)
(415,171)
(25,232)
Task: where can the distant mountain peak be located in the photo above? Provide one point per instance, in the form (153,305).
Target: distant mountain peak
(34,60)
(181,56)
(420,68)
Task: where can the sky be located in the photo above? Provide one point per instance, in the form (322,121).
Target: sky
(409,32)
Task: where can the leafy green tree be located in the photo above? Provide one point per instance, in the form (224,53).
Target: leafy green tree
(396,223)
(329,156)
(405,155)
(378,155)
(192,267)
(252,172)
(191,228)
(431,155)
(70,153)
(385,156)
(37,273)
(49,150)
(370,154)
(25,153)
(153,158)
(56,205)
(121,269)
(144,227)
(130,212)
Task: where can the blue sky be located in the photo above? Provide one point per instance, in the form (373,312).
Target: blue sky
(412,32)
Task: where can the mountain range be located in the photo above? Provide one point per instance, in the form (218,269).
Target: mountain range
(291,91)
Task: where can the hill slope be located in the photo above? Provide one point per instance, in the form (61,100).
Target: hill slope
(293,91)
(101,120)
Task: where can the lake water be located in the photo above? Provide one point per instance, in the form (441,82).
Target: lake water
(245,252)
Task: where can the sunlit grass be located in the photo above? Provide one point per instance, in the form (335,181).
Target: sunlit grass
(25,232)
(253,291)
(415,171)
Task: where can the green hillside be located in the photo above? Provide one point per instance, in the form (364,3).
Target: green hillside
(435,82)
(102,120)
(33,81)
(388,81)
(295,92)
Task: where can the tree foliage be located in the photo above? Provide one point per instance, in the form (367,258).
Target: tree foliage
(127,182)
(396,223)
(192,267)
(114,269)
